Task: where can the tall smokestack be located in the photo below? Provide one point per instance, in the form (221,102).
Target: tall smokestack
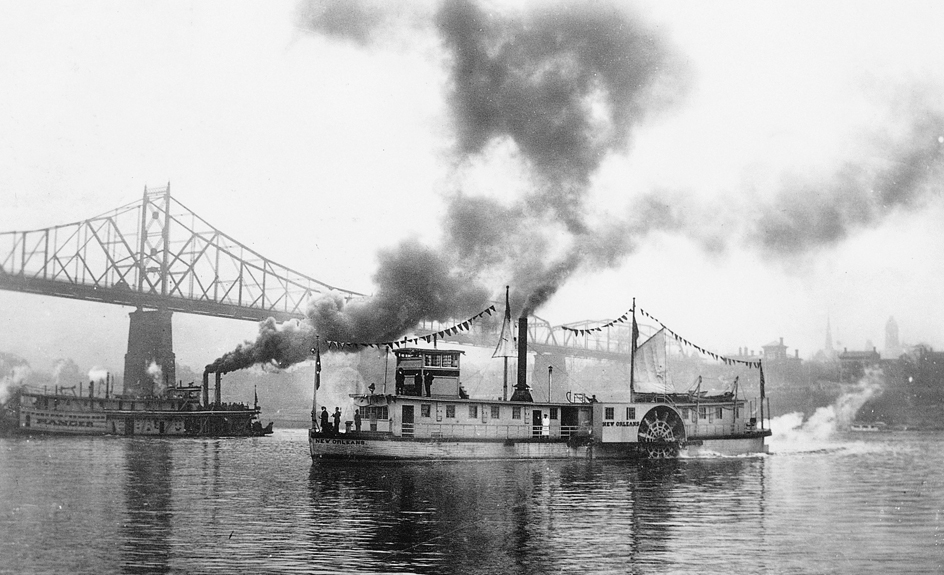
(522,393)
(206,388)
(217,391)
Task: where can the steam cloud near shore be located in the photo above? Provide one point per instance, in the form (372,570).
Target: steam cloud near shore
(566,84)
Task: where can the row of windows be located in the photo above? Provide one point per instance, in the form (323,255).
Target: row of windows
(375,412)
(442,360)
(494,411)
(716,413)
(609,413)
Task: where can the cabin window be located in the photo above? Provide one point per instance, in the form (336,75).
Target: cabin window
(737,412)
(432,360)
(702,412)
(496,412)
(685,414)
(425,410)
(553,413)
(473,412)
(376,412)
(451,411)
(449,361)
(719,413)
(608,413)
(630,413)
(516,412)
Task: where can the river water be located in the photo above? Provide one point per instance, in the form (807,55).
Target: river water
(821,502)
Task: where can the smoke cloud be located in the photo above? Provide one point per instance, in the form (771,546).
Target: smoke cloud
(901,173)
(565,83)
(13,374)
(414,283)
(792,434)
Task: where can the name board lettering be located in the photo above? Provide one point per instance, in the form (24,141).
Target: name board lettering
(341,441)
(64,422)
(620,424)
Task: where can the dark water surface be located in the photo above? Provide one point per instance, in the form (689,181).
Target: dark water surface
(847,503)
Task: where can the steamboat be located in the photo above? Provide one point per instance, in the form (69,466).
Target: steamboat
(178,411)
(430,417)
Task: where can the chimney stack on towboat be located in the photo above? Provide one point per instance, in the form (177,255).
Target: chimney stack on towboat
(206,388)
(522,393)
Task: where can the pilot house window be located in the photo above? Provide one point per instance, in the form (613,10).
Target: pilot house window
(608,413)
(451,411)
(473,411)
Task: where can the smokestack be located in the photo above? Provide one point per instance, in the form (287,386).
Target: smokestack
(217,391)
(206,388)
(522,393)
(91,389)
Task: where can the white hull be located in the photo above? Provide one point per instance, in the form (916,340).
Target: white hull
(358,447)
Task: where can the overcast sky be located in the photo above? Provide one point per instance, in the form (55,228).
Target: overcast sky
(793,150)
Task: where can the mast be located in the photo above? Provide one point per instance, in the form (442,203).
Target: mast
(762,394)
(505,359)
(317,383)
(506,343)
(632,355)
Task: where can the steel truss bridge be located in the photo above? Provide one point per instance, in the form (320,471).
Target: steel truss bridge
(156,253)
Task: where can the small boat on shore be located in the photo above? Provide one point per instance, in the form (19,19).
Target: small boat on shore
(869,427)
(430,417)
(178,411)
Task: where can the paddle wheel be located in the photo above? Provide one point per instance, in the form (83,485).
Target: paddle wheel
(663,430)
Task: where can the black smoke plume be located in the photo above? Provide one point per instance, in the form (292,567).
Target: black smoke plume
(414,284)
(897,174)
(565,83)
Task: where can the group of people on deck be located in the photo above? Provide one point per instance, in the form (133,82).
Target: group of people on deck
(328,427)
(419,382)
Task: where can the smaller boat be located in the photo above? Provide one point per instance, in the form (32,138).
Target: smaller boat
(178,411)
(869,427)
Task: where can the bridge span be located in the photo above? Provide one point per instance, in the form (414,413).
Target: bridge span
(158,256)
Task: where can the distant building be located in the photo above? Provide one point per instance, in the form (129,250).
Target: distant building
(852,364)
(777,351)
(893,347)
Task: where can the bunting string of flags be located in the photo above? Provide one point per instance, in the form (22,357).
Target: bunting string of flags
(621,319)
(461,326)
(624,318)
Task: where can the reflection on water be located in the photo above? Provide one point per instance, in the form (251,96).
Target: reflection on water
(259,505)
(145,532)
(519,517)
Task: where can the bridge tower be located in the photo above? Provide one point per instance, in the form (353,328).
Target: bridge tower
(150,363)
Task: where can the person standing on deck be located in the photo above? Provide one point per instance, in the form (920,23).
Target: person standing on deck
(357,420)
(428,382)
(418,384)
(401,381)
(337,420)
(325,427)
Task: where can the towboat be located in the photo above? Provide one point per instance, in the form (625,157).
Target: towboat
(430,417)
(178,411)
